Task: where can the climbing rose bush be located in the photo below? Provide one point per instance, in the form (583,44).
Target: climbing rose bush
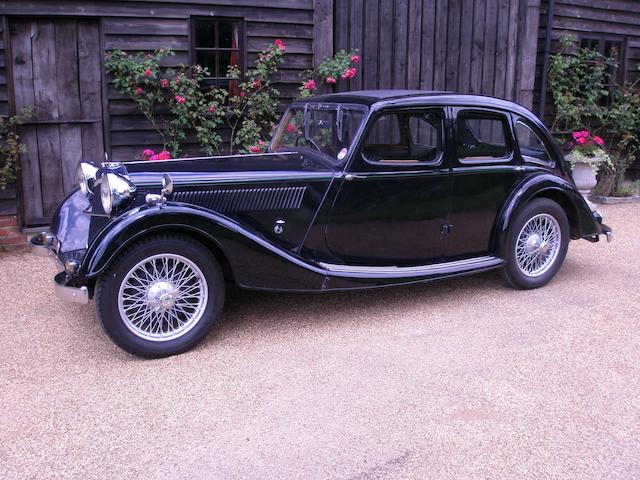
(341,65)
(248,108)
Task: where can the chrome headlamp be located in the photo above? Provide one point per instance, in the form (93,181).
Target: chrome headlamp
(115,191)
(86,177)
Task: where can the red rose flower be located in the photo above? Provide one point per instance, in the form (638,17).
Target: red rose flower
(280,45)
(164,155)
(147,73)
(331,80)
(164,83)
(291,128)
(581,140)
(242,94)
(148,152)
(212,109)
(254,149)
(598,140)
(180,99)
(355,58)
(349,73)
(256,84)
(139,91)
(310,85)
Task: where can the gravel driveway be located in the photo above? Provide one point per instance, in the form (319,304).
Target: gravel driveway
(463,378)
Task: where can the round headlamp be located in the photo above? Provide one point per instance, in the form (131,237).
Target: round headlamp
(115,191)
(86,177)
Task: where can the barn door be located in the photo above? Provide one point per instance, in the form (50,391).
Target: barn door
(56,68)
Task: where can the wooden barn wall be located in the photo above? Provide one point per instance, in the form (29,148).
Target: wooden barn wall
(614,18)
(145,26)
(8,204)
(468,46)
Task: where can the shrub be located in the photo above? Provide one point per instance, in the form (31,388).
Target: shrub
(10,146)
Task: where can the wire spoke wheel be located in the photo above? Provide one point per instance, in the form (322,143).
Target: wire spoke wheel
(162,297)
(538,245)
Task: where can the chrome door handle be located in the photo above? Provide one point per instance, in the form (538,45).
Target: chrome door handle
(353,176)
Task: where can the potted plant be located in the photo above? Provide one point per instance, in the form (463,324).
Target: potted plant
(587,157)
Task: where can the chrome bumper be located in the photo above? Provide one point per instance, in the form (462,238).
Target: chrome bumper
(67,293)
(41,245)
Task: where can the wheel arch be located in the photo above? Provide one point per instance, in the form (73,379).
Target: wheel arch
(542,186)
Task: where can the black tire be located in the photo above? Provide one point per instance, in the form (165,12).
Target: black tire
(513,273)
(108,291)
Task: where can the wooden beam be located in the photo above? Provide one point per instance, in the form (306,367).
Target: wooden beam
(528,39)
(322,32)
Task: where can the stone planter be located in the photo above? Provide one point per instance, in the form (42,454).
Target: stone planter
(585,177)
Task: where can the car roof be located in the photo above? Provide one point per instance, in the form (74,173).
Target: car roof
(382,98)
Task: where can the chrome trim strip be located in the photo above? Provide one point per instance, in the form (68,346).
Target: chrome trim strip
(69,294)
(146,179)
(217,157)
(414,271)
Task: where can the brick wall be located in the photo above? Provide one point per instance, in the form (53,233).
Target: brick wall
(11,237)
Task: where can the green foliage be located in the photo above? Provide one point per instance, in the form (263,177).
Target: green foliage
(585,99)
(330,70)
(10,146)
(248,107)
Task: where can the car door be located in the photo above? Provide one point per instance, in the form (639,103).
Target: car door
(393,201)
(484,172)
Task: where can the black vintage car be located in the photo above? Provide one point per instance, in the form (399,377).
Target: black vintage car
(358,190)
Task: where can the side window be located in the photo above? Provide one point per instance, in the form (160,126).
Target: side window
(531,146)
(482,137)
(404,138)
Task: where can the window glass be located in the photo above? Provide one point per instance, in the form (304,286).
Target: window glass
(217,45)
(481,137)
(531,146)
(404,138)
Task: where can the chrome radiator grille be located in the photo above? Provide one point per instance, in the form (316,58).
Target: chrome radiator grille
(245,199)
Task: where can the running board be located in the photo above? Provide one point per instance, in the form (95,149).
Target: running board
(436,269)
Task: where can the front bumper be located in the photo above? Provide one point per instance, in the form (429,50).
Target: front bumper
(43,245)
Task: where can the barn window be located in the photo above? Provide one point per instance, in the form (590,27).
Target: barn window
(611,47)
(217,43)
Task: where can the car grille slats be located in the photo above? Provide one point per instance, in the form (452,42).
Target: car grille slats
(244,199)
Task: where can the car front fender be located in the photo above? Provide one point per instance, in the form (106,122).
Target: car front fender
(254,261)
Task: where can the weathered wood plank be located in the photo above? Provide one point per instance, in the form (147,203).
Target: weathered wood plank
(400,31)
(66,48)
(46,99)
(477,51)
(146,26)
(512,52)
(90,90)
(414,44)
(294,45)
(31,191)
(440,50)
(356,37)
(528,28)
(269,29)
(385,57)
(466,46)
(427,44)
(370,47)
(489,60)
(501,49)
(453,45)
(132,42)
(322,34)
(232,8)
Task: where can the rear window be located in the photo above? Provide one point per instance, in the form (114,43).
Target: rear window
(482,137)
(531,146)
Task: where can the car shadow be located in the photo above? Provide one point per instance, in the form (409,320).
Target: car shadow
(245,310)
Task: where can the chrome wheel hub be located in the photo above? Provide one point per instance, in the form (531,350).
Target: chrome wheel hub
(538,245)
(162,297)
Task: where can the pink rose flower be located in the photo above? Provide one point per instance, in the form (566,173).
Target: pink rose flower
(280,45)
(164,155)
(584,133)
(180,99)
(331,80)
(310,85)
(153,158)
(148,152)
(212,109)
(147,73)
(291,128)
(349,73)
(598,140)
(355,58)
(581,140)
(256,84)
(139,91)
(164,83)
(254,149)
(242,94)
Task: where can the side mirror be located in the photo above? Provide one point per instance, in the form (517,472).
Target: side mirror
(167,185)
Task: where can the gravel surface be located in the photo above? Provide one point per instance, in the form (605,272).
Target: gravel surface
(463,378)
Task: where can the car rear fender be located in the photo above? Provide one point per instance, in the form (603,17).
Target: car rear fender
(545,185)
